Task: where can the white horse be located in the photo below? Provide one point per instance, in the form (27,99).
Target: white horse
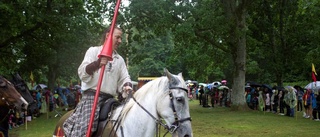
(162,101)
(166,98)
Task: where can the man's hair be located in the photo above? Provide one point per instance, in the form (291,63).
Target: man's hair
(106,31)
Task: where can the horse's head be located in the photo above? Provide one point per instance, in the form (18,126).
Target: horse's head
(9,95)
(165,101)
(21,86)
(174,109)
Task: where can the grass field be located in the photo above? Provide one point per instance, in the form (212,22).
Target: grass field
(209,122)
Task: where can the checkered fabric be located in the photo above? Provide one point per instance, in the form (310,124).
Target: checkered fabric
(77,124)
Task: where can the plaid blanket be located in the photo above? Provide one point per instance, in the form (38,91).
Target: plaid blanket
(77,124)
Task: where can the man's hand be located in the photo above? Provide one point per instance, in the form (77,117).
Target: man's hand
(127,89)
(127,92)
(103,61)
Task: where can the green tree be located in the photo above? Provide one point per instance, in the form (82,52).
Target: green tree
(47,37)
(283,31)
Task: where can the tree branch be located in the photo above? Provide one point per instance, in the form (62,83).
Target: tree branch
(24,33)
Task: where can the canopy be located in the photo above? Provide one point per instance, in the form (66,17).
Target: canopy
(146,78)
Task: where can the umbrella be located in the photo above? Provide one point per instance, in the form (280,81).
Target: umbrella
(194,82)
(247,87)
(191,82)
(297,86)
(39,86)
(312,85)
(209,86)
(290,87)
(216,83)
(315,89)
(188,81)
(253,84)
(223,87)
(278,88)
(203,84)
(78,86)
(268,87)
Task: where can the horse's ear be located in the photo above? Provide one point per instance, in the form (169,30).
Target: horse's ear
(168,74)
(180,74)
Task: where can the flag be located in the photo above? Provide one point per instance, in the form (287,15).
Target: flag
(314,73)
(58,81)
(31,76)
(32,79)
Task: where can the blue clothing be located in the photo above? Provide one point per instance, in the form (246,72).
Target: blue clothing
(252,91)
(38,98)
(314,101)
(300,94)
(248,98)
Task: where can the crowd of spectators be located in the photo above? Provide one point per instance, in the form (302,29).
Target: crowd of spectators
(211,95)
(284,100)
(47,101)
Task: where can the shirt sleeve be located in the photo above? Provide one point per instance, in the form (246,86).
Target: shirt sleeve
(124,75)
(90,56)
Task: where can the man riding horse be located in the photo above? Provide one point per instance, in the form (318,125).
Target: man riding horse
(115,80)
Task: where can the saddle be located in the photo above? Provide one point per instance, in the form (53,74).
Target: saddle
(106,108)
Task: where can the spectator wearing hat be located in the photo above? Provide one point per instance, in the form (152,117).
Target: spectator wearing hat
(224,82)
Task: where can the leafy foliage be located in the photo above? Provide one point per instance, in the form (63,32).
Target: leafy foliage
(194,37)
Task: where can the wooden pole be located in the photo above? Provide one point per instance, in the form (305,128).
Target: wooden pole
(296,109)
(47,102)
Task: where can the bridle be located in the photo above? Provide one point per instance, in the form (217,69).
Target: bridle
(176,124)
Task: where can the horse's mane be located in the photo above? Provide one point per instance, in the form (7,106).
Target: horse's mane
(159,84)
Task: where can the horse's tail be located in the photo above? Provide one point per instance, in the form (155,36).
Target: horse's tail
(58,132)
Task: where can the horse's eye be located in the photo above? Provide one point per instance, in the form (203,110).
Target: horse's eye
(179,99)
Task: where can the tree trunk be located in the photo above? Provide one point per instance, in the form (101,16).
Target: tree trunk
(235,11)
(239,72)
(52,76)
